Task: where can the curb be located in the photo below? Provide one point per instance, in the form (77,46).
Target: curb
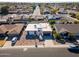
(57,46)
(18,47)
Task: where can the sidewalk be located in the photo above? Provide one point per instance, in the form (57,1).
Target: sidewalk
(54,46)
(33,46)
(18,47)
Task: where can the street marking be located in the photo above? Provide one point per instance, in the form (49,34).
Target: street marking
(24,49)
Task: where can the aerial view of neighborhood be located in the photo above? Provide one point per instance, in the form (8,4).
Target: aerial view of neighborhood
(39,29)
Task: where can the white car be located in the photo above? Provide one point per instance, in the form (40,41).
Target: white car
(74,48)
(72,45)
(78,41)
(14,39)
(40,37)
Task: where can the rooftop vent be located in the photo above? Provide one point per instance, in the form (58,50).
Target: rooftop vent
(35,26)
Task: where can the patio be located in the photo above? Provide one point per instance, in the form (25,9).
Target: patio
(27,42)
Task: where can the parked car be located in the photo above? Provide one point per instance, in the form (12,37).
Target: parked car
(40,38)
(3,21)
(14,40)
(78,41)
(74,48)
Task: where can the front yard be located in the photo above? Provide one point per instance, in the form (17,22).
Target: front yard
(56,36)
(2,42)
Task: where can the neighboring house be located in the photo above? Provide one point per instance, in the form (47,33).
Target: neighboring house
(10,18)
(11,30)
(46,11)
(72,11)
(19,10)
(3,21)
(70,28)
(37,30)
(15,16)
(13,12)
(37,14)
(53,17)
(62,11)
(74,8)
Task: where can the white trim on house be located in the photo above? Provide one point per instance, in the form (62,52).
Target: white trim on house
(43,26)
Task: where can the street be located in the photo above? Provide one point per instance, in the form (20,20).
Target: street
(36,52)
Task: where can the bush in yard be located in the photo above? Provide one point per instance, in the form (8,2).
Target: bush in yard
(76,22)
(77,15)
(72,14)
(52,21)
(62,41)
(57,36)
(54,10)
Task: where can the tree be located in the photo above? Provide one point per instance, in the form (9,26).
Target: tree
(51,22)
(4,10)
(65,6)
(77,15)
(57,36)
(73,15)
(76,22)
(54,10)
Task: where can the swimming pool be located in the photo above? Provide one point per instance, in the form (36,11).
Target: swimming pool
(48,37)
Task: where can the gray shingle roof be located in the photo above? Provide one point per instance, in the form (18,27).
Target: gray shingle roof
(11,28)
(73,28)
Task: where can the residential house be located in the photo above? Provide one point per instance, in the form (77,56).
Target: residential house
(68,28)
(47,11)
(11,30)
(62,11)
(37,30)
(53,17)
(37,14)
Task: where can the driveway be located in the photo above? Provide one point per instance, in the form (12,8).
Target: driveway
(7,44)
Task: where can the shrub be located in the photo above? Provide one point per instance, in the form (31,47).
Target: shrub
(57,36)
(51,21)
(77,15)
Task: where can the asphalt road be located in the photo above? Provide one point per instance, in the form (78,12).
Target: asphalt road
(37,52)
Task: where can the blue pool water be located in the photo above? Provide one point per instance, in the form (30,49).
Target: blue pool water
(45,37)
(48,37)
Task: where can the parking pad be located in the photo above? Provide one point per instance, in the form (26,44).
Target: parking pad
(7,44)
